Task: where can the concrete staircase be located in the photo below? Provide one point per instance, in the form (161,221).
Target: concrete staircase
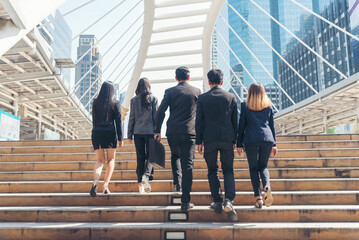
(44,189)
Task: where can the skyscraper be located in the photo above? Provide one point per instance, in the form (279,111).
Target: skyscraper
(330,43)
(58,35)
(88,70)
(263,25)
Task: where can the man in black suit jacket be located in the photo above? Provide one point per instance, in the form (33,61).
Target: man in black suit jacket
(180,131)
(216,128)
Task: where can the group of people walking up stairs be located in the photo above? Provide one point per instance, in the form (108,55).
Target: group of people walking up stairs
(208,120)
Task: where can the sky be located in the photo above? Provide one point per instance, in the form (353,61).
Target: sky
(117,67)
(113,66)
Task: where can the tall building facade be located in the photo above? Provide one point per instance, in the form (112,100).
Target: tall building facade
(88,70)
(293,17)
(333,45)
(58,34)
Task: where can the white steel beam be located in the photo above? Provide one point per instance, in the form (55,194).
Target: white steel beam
(149,6)
(175,40)
(207,36)
(182,14)
(179,27)
(173,54)
(13,65)
(178,2)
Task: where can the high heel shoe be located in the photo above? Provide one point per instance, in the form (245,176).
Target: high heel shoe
(259,203)
(93,191)
(268,198)
(105,189)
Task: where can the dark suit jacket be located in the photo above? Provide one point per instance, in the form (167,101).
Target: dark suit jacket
(182,101)
(256,126)
(216,118)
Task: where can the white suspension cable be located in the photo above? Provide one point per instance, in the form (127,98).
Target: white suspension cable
(117,77)
(108,50)
(229,67)
(91,25)
(236,74)
(112,61)
(126,55)
(113,81)
(226,80)
(63,15)
(114,26)
(235,55)
(275,51)
(255,57)
(303,43)
(325,20)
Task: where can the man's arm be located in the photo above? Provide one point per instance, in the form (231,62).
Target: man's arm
(199,123)
(161,112)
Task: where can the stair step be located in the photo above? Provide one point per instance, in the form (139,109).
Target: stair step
(284,153)
(131,147)
(166,198)
(167,185)
(308,213)
(160,174)
(324,137)
(198,164)
(198,231)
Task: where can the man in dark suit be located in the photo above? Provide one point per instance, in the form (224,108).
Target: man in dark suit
(216,128)
(180,132)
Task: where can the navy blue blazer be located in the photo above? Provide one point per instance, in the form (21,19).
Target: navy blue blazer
(255,126)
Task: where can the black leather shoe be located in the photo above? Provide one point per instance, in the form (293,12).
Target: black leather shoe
(228,208)
(217,206)
(186,206)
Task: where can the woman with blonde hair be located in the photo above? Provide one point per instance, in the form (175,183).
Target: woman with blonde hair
(256,134)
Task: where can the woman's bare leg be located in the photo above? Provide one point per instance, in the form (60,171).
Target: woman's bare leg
(111,153)
(100,156)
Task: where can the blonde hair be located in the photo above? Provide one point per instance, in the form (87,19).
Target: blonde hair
(257,98)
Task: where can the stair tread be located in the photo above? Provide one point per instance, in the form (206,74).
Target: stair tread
(119,194)
(179,225)
(168,151)
(176,208)
(166,170)
(169,180)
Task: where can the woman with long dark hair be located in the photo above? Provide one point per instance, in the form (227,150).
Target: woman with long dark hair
(256,133)
(106,131)
(141,126)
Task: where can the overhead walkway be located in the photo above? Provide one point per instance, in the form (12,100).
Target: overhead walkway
(175,33)
(30,87)
(336,105)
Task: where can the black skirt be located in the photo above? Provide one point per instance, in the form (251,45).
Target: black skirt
(104,136)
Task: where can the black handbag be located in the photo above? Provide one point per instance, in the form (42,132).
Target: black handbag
(157,153)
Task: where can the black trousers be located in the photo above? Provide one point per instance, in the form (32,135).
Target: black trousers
(144,167)
(182,155)
(225,149)
(258,156)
